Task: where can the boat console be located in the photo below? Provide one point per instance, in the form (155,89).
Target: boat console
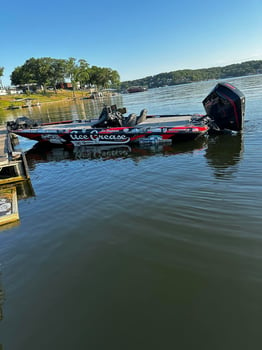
(111,116)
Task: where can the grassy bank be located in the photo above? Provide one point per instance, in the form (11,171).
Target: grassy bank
(20,100)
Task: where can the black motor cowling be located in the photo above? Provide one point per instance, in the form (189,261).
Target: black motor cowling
(225,105)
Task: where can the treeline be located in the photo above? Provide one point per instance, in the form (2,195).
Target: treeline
(193,75)
(49,72)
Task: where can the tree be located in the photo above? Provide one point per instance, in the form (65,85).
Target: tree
(57,72)
(113,77)
(1,74)
(47,71)
(103,77)
(41,68)
(43,71)
(71,72)
(77,72)
(22,76)
(82,74)
(93,74)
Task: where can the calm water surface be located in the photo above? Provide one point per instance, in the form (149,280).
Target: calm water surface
(148,249)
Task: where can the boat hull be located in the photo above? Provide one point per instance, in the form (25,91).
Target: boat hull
(113,136)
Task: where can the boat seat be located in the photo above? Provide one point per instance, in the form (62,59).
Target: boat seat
(142,116)
(102,121)
(130,120)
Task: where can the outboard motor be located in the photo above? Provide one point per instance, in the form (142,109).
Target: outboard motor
(225,105)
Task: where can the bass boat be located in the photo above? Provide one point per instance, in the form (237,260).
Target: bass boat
(224,106)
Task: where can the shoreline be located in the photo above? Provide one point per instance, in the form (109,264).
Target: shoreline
(30,100)
(12,102)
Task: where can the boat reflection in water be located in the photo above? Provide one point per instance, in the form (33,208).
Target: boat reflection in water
(107,152)
(223,153)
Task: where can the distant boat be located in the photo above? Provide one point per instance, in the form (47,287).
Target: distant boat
(136,89)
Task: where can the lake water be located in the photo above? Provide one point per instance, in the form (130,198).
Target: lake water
(157,248)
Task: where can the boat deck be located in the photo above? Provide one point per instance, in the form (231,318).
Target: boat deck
(157,121)
(166,121)
(73,125)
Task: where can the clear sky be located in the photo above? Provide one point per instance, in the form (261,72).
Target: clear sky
(137,38)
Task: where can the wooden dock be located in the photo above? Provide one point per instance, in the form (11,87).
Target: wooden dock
(13,165)
(13,169)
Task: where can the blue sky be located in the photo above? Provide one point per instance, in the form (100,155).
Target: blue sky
(136,38)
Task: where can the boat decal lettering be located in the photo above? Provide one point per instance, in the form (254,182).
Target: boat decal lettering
(95,137)
(79,135)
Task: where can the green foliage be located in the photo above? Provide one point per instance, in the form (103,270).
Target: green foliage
(48,71)
(103,77)
(1,74)
(188,75)
(41,71)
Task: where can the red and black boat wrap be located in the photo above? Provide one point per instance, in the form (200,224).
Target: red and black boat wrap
(114,136)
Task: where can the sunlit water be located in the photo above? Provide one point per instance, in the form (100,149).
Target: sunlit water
(153,249)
